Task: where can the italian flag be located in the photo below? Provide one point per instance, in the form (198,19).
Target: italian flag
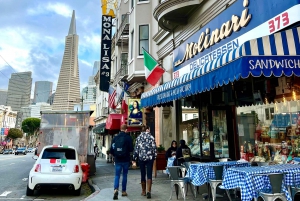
(153,71)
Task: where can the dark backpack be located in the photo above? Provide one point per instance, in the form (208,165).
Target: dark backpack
(120,149)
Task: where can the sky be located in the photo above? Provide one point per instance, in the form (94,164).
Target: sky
(32,37)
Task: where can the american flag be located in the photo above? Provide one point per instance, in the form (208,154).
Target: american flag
(111,97)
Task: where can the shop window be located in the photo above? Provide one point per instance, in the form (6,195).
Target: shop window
(189,125)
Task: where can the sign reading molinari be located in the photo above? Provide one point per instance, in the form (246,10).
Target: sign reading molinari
(208,39)
(258,18)
(105,62)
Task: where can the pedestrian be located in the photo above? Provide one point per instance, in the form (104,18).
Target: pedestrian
(145,152)
(96,151)
(121,147)
(183,153)
(171,152)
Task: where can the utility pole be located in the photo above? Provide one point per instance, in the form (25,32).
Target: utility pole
(81,103)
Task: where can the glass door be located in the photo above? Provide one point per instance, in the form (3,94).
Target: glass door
(220,131)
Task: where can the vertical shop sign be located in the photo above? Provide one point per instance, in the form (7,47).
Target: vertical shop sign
(105,63)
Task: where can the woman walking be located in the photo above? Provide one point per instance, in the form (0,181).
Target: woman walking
(145,152)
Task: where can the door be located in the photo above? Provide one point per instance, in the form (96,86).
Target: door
(221,133)
(150,121)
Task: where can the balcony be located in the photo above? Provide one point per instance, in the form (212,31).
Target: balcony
(172,13)
(122,34)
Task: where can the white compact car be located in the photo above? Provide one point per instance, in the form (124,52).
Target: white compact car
(56,167)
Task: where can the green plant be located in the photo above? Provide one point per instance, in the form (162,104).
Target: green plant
(160,148)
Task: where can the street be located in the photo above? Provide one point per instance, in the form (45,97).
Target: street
(14,170)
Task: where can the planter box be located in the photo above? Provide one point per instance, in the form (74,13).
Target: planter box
(161,162)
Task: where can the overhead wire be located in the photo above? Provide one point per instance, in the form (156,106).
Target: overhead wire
(16,74)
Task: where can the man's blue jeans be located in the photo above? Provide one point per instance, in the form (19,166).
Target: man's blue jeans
(118,168)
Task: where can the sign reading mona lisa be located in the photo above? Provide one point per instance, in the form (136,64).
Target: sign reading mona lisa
(135,114)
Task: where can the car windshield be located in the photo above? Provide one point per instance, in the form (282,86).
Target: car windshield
(59,154)
(21,148)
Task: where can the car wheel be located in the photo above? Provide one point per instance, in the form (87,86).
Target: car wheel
(29,192)
(77,192)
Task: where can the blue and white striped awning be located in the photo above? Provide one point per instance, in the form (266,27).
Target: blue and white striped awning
(276,54)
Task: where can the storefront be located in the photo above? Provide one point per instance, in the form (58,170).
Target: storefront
(236,88)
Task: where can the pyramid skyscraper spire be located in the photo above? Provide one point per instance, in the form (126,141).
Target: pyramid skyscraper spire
(68,88)
(72,29)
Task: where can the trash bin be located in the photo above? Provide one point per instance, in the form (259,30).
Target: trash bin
(91,162)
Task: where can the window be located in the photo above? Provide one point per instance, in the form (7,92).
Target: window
(124,61)
(132,4)
(132,43)
(59,154)
(143,38)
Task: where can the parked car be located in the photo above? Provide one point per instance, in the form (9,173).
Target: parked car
(21,150)
(56,167)
(30,150)
(8,151)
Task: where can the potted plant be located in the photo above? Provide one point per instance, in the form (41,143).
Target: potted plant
(161,149)
(161,161)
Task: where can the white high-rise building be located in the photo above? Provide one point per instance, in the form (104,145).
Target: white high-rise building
(68,87)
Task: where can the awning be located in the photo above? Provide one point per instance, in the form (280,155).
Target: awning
(114,122)
(275,54)
(100,129)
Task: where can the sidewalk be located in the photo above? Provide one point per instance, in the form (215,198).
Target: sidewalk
(103,181)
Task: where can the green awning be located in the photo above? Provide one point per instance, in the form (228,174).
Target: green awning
(100,129)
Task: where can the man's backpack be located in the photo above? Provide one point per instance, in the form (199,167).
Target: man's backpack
(120,148)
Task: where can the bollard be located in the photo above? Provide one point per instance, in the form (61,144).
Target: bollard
(85,171)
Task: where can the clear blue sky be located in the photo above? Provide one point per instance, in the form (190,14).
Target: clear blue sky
(32,37)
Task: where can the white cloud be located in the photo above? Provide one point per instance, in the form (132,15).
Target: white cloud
(58,8)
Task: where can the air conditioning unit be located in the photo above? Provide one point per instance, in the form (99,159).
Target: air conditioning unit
(104,111)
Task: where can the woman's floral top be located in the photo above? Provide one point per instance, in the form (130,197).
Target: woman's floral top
(145,147)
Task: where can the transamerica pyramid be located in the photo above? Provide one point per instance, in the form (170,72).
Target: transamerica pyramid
(68,88)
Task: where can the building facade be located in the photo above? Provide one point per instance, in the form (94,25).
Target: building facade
(221,91)
(42,91)
(7,121)
(68,87)
(19,90)
(135,27)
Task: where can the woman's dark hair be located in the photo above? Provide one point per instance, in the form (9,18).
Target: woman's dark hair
(144,128)
(137,105)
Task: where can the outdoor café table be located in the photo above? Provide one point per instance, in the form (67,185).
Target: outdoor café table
(243,178)
(200,173)
(170,163)
(289,170)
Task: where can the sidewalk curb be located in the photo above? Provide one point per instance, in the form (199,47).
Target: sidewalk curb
(94,187)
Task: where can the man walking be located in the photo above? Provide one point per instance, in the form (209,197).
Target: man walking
(121,147)
(96,151)
(145,151)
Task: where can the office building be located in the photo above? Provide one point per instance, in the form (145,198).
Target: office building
(3,96)
(42,91)
(68,88)
(19,90)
